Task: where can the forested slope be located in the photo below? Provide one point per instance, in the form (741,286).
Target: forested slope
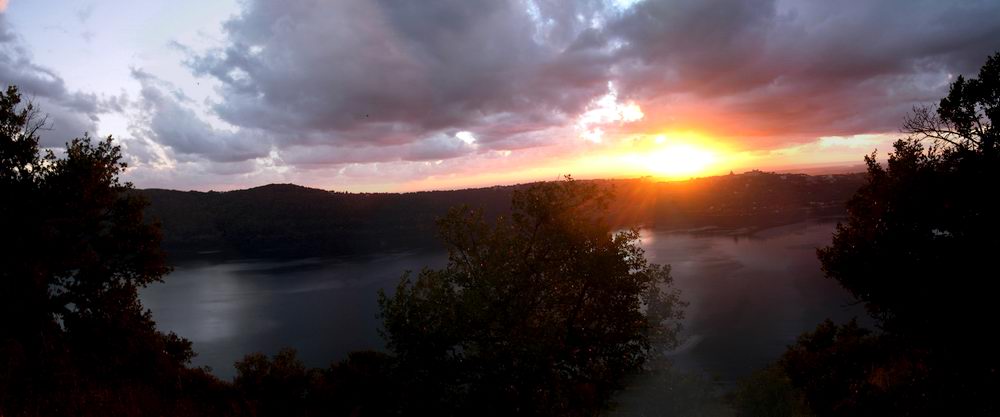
(284,220)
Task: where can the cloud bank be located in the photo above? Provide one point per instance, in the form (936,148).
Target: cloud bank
(69,113)
(388,73)
(305,85)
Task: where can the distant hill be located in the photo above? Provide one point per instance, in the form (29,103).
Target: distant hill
(284,220)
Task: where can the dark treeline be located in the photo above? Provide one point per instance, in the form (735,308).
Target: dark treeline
(293,221)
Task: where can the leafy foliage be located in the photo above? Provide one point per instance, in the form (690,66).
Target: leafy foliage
(917,249)
(929,214)
(74,338)
(967,118)
(769,392)
(361,385)
(542,313)
(847,370)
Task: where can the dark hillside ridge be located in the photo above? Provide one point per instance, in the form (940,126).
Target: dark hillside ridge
(284,220)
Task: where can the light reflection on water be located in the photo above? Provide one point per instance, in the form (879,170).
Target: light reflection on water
(749,297)
(324,309)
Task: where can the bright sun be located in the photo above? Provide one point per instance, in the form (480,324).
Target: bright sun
(675,157)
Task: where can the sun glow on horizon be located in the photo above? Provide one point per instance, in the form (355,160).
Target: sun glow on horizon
(679,160)
(675,156)
(662,156)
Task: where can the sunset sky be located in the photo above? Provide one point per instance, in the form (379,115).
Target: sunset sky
(412,95)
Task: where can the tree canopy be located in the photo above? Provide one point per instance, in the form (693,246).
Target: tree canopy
(74,338)
(541,313)
(917,250)
(918,242)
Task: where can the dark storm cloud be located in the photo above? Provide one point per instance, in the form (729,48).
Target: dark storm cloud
(430,149)
(804,67)
(69,114)
(349,69)
(356,77)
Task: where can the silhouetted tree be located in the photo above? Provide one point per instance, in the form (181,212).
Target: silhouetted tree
(542,313)
(929,215)
(363,385)
(74,338)
(276,386)
(917,249)
(769,392)
(847,370)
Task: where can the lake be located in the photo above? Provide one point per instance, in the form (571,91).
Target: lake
(750,295)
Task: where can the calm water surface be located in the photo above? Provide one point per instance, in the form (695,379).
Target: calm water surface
(749,296)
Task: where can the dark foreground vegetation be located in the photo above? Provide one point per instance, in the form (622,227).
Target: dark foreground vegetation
(917,250)
(74,339)
(544,311)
